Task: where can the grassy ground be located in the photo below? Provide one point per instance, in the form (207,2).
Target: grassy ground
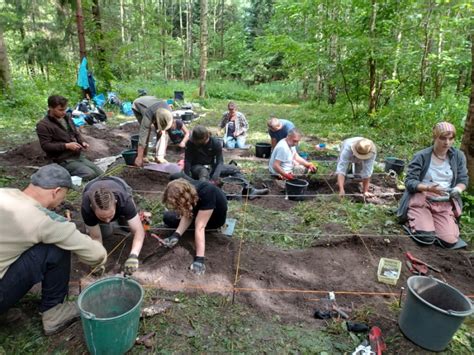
(211,323)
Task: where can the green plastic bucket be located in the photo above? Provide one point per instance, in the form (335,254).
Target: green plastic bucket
(110,314)
(433,312)
(129,156)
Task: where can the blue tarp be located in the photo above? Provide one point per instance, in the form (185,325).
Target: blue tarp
(82,77)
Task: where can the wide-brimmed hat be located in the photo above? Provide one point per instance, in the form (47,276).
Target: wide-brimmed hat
(199,135)
(164,119)
(363,149)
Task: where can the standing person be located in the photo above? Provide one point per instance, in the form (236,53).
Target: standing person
(357,154)
(62,142)
(195,203)
(285,162)
(431,203)
(152,111)
(235,127)
(36,247)
(278,129)
(178,133)
(106,200)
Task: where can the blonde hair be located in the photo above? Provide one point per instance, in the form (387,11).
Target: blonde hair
(102,199)
(181,197)
(273,123)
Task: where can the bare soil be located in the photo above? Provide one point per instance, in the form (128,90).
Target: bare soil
(289,283)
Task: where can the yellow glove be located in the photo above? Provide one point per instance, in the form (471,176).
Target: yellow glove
(131,265)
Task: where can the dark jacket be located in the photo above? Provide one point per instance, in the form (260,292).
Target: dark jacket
(417,170)
(207,154)
(53,138)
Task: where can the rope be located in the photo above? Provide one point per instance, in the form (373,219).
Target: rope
(213,288)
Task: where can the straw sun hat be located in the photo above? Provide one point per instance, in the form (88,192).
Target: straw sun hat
(363,149)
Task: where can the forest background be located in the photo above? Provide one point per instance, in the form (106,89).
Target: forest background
(384,69)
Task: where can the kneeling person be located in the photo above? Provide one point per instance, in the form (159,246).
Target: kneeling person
(195,203)
(285,162)
(109,199)
(37,245)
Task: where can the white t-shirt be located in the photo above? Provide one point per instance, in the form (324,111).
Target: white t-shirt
(439,174)
(285,155)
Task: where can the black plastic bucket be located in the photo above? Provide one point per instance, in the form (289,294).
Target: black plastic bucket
(187,116)
(433,312)
(263,150)
(394,164)
(129,156)
(295,189)
(179,95)
(237,185)
(134,141)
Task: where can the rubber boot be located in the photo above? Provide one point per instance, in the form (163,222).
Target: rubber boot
(252,193)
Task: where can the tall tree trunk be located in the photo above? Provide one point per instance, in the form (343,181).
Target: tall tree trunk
(5,72)
(372,63)
(183,46)
(438,75)
(467,145)
(203,45)
(426,51)
(122,20)
(189,38)
(80,30)
(222,29)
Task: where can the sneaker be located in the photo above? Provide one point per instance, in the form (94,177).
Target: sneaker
(59,317)
(11,316)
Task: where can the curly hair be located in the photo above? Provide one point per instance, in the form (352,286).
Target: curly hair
(102,199)
(181,197)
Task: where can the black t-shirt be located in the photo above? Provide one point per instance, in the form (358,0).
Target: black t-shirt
(211,198)
(125,207)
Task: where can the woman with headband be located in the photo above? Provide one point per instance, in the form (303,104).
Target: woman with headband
(431,204)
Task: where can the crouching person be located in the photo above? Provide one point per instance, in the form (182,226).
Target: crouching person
(36,247)
(195,203)
(106,203)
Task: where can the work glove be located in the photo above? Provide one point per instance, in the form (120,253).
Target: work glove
(455,192)
(311,167)
(131,265)
(172,240)
(287,176)
(98,271)
(198,267)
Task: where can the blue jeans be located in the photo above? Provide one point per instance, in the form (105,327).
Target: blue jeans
(235,142)
(45,263)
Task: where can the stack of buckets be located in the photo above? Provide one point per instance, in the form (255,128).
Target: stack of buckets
(110,314)
(129,155)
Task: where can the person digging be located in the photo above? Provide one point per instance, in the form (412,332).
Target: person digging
(357,156)
(203,161)
(107,202)
(36,247)
(150,111)
(285,162)
(197,203)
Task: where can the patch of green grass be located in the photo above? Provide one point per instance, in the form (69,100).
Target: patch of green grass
(206,323)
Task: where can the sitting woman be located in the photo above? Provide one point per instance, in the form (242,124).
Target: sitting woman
(199,203)
(235,125)
(435,179)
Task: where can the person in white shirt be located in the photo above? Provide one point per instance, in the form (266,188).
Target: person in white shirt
(357,154)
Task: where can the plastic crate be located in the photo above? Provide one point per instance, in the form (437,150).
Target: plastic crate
(389,271)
